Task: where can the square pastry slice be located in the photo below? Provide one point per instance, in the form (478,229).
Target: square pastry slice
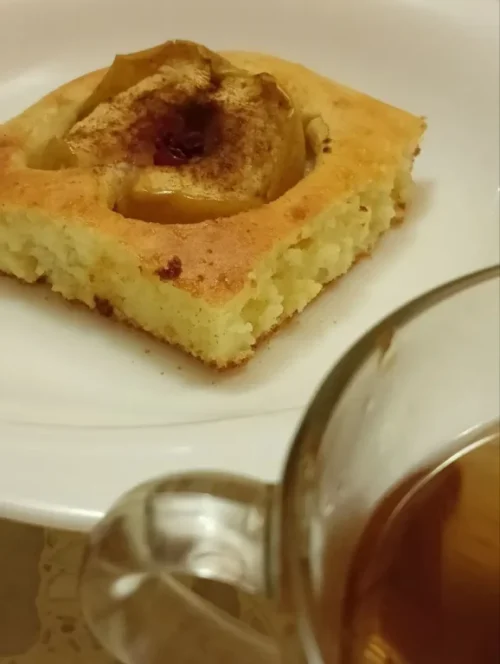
(205,198)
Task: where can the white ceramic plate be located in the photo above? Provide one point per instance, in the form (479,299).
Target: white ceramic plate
(88,408)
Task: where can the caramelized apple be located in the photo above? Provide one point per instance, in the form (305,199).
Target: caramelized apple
(128,70)
(165,207)
(204,139)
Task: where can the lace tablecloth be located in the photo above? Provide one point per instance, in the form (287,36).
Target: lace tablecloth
(40,621)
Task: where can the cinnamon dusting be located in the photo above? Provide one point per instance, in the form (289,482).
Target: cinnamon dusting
(174,134)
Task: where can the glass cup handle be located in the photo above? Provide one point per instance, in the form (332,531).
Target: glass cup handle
(135,579)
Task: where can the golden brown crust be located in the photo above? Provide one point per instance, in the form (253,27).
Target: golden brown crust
(358,139)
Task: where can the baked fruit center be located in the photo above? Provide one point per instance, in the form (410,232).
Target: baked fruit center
(196,137)
(185,132)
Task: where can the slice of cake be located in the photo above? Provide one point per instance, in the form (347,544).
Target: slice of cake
(204,198)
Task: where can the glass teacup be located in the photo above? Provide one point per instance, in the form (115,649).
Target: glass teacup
(409,396)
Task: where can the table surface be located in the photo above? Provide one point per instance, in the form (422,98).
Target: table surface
(40,621)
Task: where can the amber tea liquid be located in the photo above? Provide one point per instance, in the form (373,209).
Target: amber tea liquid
(424,586)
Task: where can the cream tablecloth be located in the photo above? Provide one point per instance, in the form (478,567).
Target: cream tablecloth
(40,621)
